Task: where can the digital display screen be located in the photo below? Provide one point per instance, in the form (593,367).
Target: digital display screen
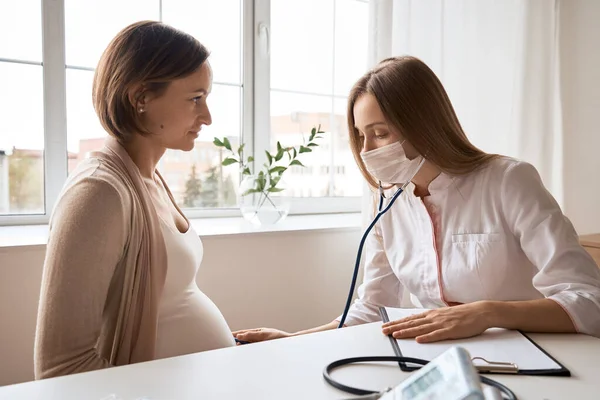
(423,383)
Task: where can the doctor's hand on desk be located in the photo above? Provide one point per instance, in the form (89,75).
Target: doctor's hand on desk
(455,322)
(260,334)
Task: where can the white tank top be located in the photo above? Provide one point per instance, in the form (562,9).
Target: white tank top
(188,321)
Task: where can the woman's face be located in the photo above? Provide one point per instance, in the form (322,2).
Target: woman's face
(371,124)
(373,128)
(176,117)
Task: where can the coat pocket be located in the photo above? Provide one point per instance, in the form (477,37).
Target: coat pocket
(476,265)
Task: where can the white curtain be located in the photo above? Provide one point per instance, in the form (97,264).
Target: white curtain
(498,60)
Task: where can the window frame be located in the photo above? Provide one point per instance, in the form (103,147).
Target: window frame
(256,87)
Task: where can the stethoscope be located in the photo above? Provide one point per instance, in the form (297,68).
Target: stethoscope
(371,394)
(380,212)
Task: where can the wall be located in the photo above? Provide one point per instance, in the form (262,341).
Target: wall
(288,280)
(21,273)
(580,86)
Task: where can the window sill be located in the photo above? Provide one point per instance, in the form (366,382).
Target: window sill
(37,235)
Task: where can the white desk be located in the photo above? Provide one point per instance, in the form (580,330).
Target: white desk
(291,369)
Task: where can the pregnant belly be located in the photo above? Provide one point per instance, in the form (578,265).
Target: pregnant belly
(191,324)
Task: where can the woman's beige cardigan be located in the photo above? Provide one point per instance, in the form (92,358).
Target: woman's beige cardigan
(104,270)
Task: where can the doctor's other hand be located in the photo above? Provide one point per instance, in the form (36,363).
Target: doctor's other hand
(260,334)
(457,322)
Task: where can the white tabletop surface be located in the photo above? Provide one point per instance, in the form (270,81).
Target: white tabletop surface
(291,369)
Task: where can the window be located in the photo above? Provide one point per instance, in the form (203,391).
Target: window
(21,102)
(318,50)
(315,50)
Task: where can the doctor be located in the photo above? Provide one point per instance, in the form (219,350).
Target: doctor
(476,237)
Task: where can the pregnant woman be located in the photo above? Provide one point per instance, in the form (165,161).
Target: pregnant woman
(119,284)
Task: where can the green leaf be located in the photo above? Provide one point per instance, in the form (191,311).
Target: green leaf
(261,181)
(312,144)
(275,190)
(226,143)
(241,149)
(218,143)
(269,157)
(246,171)
(250,159)
(229,161)
(275,180)
(276,170)
(313,132)
(296,162)
(250,191)
(279,155)
(295,153)
(304,149)
(279,146)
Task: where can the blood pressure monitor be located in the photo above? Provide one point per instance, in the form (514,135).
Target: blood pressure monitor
(450,376)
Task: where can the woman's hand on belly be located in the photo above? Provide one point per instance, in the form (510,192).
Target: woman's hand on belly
(260,334)
(462,321)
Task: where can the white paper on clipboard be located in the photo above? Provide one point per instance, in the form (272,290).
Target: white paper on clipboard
(495,345)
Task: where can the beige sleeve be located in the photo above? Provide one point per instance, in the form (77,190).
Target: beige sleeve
(87,237)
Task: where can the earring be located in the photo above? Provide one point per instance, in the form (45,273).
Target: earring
(141,110)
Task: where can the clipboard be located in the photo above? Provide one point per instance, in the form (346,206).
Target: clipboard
(496,351)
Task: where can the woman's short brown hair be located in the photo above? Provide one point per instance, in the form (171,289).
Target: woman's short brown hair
(416,104)
(149,53)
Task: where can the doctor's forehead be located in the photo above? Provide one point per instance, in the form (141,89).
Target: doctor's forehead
(367,113)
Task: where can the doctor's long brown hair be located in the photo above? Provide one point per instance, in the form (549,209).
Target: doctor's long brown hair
(415,103)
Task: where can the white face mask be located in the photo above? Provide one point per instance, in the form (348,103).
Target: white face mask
(389,164)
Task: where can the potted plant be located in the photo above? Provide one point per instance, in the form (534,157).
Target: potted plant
(262,198)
